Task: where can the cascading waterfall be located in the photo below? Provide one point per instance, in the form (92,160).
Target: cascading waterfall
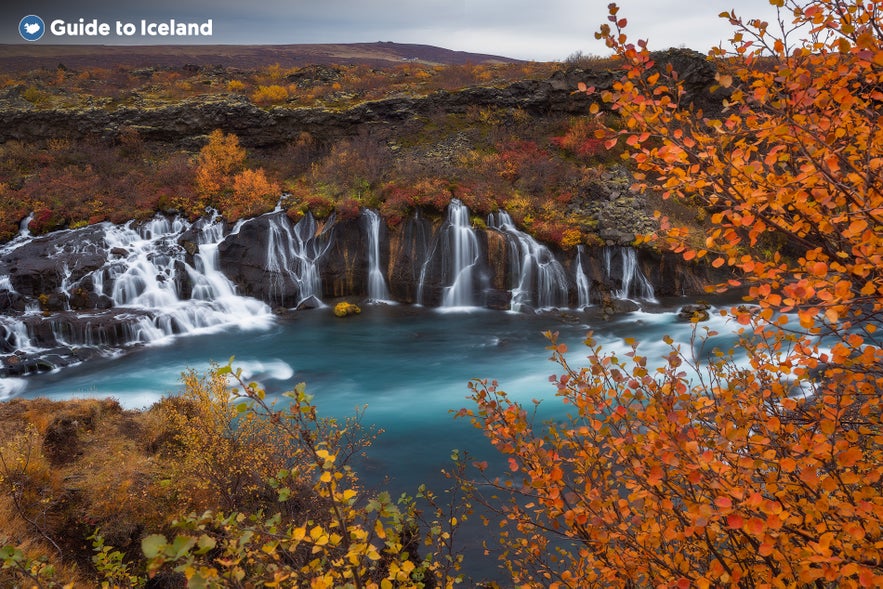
(293,256)
(463,262)
(14,335)
(377,287)
(583,292)
(538,280)
(457,246)
(155,293)
(152,276)
(633,282)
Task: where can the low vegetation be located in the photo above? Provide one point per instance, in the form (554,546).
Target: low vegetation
(214,488)
(539,168)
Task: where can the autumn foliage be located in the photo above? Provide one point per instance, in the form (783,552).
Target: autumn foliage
(223,181)
(762,465)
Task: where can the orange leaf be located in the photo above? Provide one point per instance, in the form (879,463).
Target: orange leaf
(735,521)
(724,502)
(819,269)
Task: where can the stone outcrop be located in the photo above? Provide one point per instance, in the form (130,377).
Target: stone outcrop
(188,121)
(59,301)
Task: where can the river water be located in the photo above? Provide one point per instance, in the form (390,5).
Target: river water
(408,366)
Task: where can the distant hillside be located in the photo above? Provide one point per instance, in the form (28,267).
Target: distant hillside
(15,58)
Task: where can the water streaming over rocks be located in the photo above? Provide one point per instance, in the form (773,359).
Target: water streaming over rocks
(583,288)
(537,279)
(454,263)
(96,291)
(377,286)
(292,257)
(114,287)
(621,266)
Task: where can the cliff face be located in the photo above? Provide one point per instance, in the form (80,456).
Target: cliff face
(187,121)
(259,127)
(70,295)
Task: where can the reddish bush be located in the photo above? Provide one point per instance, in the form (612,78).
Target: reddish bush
(581,139)
(347,208)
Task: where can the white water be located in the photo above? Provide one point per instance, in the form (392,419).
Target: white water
(457,246)
(378,291)
(145,274)
(293,255)
(464,259)
(148,281)
(538,279)
(15,334)
(633,282)
(583,292)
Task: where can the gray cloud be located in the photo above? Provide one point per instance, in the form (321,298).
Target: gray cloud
(526,29)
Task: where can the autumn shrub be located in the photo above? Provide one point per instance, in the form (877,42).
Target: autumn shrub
(319,204)
(432,193)
(761,465)
(345,537)
(549,231)
(34,95)
(347,208)
(480,197)
(580,139)
(217,162)
(272,94)
(235,86)
(570,238)
(252,194)
(222,458)
(396,203)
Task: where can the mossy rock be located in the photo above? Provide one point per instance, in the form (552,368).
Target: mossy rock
(345,309)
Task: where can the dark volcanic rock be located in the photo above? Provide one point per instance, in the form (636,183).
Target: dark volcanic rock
(189,121)
(243,259)
(267,256)
(42,264)
(408,248)
(344,266)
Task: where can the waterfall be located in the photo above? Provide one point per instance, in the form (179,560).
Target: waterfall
(633,282)
(23,230)
(456,244)
(145,278)
(153,276)
(14,335)
(377,288)
(292,257)
(537,279)
(583,294)
(143,274)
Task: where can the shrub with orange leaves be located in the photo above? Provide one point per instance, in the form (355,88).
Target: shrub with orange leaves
(218,161)
(252,195)
(273,94)
(714,470)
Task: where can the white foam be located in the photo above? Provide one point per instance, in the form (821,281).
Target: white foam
(267,369)
(9,387)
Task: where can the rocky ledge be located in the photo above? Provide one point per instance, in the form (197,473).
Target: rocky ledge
(186,122)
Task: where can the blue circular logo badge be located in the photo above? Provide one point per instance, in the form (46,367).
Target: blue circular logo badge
(31,28)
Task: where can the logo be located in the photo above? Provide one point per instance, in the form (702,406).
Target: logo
(31,28)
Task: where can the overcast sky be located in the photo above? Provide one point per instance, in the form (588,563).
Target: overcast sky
(525,29)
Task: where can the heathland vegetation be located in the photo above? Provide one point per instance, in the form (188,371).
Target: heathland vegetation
(711,470)
(487,156)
